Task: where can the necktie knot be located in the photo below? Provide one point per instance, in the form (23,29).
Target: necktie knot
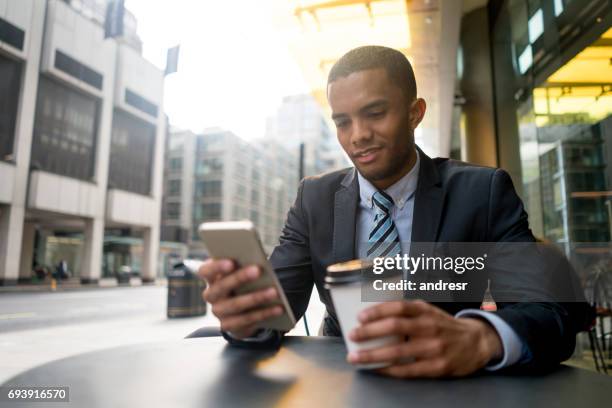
(382,201)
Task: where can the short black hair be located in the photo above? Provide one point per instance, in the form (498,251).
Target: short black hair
(395,63)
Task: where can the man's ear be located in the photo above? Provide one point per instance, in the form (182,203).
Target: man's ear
(417,112)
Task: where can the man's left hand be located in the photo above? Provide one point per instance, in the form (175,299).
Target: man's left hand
(437,344)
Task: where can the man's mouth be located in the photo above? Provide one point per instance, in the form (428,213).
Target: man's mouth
(367,155)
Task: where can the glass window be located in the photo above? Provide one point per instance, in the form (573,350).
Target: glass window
(536,26)
(558,7)
(10,81)
(525,59)
(209,165)
(255,217)
(174,187)
(207,212)
(173,210)
(176,142)
(175,163)
(131,159)
(210,142)
(209,188)
(65,128)
(572,116)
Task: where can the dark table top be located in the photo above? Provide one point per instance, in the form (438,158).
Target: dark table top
(306,372)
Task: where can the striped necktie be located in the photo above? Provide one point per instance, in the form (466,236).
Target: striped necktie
(383,240)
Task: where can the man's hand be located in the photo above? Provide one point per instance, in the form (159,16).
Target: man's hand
(440,344)
(237,314)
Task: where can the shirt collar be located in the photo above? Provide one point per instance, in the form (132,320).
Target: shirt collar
(401,191)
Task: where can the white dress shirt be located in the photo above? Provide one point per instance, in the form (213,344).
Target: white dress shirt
(403,192)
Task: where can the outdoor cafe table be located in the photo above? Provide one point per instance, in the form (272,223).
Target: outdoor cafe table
(305,372)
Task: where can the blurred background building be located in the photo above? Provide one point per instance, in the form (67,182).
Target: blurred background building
(300,119)
(217,176)
(81,143)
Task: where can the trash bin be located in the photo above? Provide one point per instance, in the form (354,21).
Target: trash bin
(185,292)
(123,275)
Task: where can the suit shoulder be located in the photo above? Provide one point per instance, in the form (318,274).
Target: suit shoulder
(330,178)
(451,169)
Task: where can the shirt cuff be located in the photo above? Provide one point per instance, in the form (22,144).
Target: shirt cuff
(260,336)
(511,343)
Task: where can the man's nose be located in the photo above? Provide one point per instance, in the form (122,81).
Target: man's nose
(361,134)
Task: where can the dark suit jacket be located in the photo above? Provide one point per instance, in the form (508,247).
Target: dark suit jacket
(454,202)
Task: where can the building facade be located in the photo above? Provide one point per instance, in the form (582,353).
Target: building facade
(217,176)
(82,139)
(300,119)
(535,81)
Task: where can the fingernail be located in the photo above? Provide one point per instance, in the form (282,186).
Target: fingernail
(252,272)
(278,310)
(353,335)
(362,316)
(353,357)
(271,292)
(226,265)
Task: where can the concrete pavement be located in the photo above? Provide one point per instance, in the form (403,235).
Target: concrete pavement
(36,328)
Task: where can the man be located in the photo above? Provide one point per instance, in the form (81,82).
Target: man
(372,94)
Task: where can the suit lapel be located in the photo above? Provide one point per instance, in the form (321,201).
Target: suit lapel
(345,212)
(428,205)
(428,202)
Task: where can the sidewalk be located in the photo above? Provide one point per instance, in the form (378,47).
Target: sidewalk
(25,349)
(75,284)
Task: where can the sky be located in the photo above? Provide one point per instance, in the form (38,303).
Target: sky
(233,68)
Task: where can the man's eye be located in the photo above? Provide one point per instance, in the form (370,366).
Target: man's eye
(376,114)
(341,124)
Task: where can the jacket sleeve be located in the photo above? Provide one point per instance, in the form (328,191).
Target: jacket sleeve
(291,258)
(548,328)
(292,263)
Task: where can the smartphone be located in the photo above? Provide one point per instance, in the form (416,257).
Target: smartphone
(238,240)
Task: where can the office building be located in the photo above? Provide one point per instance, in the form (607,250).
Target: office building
(300,119)
(81,139)
(217,176)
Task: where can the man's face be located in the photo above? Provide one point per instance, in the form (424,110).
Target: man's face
(375,125)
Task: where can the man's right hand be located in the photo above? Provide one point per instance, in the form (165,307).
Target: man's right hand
(238,314)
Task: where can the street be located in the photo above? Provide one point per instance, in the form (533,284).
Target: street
(36,328)
(39,327)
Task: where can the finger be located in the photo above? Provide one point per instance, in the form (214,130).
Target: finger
(213,268)
(221,288)
(417,349)
(428,368)
(238,304)
(389,326)
(425,326)
(239,322)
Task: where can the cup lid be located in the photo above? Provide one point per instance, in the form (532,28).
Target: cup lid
(347,272)
(350,266)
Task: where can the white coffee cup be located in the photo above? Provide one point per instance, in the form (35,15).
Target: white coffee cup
(344,282)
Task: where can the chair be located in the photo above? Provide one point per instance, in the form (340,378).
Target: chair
(599,287)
